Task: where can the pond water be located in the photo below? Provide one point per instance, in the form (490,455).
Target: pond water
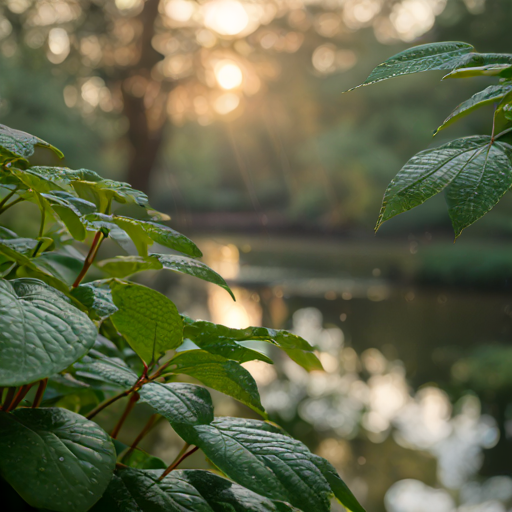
(394,411)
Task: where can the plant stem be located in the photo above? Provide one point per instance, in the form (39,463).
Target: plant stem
(20,395)
(149,425)
(12,203)
(106,403)
(39,393)
(43,219)
(129,406)
(7,197)
(98,238)
(179,459)
(8,399)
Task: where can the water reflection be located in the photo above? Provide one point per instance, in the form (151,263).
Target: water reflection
(389,432)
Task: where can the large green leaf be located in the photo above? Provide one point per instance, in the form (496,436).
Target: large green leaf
(147,319)
(144,233)
(219,373)
(207,333)
(18,145)
(41,332)
(488,96)
(123,266)
(474,171)
(135,490)
(260,457)
(425,57)
(55,459)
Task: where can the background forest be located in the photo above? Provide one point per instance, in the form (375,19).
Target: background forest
(231,116)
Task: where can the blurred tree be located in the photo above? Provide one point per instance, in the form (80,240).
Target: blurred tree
(160,60)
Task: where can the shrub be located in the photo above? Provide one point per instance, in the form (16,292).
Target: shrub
(68,351)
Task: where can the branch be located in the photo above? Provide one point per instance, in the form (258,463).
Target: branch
(149,425)
(129,406)
(20,395)
(98,238)
(12,203)
(39,393)
(179,459)
(9,397)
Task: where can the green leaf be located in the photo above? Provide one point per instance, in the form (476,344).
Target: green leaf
(226,496)
(97,366)
(341,491)
(183,405)
(167,237)
(488,96)
(123,266)
(260,457)
(144,233)
(503,70)
(135,490)
(231,350)
(41,332)
(70,210)
(219,373)
(18,145)
(55,459)
(425,57)
(475,171)
(207,333)
(7,234)
(147,319)
(92,187)
(97,297)
(24,246)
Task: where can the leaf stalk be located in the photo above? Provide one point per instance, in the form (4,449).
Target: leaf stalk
(91,255)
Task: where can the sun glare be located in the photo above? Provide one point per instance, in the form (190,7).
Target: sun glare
(226,17)
(228,74)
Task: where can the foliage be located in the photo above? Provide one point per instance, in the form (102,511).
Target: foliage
(62,340)
(474,172)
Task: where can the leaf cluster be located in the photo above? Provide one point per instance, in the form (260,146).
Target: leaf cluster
(70,348)
(474,172)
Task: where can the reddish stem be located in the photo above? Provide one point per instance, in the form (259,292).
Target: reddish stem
(106,403)
(129,406)
(98,238)
(8,399)
(142,380)
(20,395)
(39,393)
(178,461)
(149,425)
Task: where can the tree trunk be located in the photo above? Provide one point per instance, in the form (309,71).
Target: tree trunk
(145,112)
(144,143)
